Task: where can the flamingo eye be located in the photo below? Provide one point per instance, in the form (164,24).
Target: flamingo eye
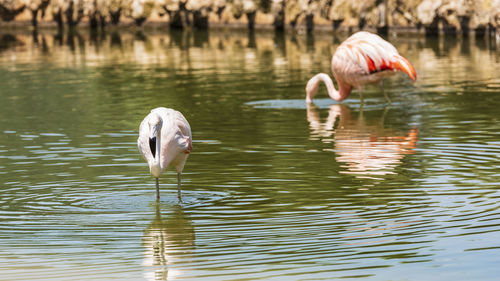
(152,145)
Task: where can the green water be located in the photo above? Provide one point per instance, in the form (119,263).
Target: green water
(274,189)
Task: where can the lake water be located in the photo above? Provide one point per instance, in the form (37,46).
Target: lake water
(274,189)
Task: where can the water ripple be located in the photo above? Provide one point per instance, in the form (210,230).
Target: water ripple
(274,189)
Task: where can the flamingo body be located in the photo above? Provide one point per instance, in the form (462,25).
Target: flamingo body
(363,58)
(165,141)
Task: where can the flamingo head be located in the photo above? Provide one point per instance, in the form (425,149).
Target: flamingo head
(155,124)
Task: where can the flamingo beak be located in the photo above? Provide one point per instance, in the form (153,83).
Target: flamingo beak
(152,139)
(153,131)
(152,146)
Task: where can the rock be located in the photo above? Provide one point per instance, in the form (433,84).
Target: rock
(449,16)
(9,9)
(427,11)
(494,20)
(278,12)
(36,6)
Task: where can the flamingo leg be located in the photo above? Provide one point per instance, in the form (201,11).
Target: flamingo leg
(157,189)
(179,187)
(361,101)
(382,120)
(386,97)
(385,94)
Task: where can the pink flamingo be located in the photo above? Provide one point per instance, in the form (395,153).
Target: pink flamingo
(363,58)
(165,141)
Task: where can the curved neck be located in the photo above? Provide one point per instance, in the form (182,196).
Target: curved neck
(155,167)
(158,146)
(313,85)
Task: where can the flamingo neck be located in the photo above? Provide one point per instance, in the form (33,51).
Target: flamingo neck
(156,166)
(313,85)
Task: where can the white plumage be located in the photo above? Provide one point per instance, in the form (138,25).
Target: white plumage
(165,141)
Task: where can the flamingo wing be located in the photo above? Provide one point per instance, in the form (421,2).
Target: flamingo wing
(364,54)
(185,129)
(183,124)
(174,123)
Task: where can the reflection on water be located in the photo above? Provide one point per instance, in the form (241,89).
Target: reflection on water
(365,149)
(167,240)
(83,48)
(275,190)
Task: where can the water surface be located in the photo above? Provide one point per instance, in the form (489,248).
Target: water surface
(274,189)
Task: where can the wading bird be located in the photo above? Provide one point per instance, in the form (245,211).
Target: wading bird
(363,58)
(165,142)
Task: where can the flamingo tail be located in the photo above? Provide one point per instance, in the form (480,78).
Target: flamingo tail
(405,66)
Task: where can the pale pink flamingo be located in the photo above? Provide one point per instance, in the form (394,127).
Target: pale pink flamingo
(361,59)
(165,142)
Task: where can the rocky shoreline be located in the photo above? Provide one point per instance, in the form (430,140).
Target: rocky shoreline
(432,17)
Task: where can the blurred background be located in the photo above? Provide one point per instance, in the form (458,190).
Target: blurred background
(480,17)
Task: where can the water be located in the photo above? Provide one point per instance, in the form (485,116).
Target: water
(274,189)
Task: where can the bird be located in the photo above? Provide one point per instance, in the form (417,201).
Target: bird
(165,141)
(363,58)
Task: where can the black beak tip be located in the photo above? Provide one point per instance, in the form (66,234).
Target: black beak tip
(152,145)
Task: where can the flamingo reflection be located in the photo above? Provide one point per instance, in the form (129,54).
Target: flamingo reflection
(166,242)
(366,151)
